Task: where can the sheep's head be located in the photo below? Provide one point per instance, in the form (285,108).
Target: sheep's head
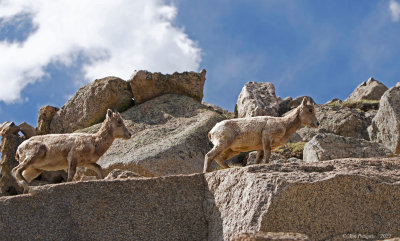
(307,113)
(118,128)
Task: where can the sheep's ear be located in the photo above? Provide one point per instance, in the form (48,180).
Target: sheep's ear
(109,113)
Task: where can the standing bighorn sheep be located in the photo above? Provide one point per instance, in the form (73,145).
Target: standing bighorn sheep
(261,134)
(67,151)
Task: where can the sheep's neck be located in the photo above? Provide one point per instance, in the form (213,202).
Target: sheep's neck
(103,139)
(292,123)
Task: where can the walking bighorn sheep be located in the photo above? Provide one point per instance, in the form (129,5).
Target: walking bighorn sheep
(67,151)
(261,134)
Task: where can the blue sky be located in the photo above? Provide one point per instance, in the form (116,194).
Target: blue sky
(319,48)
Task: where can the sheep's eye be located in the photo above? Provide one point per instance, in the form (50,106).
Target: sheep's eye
(119,122)
(311,110)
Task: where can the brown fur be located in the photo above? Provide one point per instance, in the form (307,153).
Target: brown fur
(67,151)
(261,134)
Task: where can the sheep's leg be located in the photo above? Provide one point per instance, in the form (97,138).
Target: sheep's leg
(266,147)
(211,155)
(221,162)
(259,156)
(25,164)
(72,163)
(31,173)
(267,154)
(17,173)
(95,167)
(225,156)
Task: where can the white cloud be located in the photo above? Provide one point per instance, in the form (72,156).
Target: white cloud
(395,10)
(116,36)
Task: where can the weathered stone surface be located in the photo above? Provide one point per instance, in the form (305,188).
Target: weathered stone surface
(257,99)
(321,200)
(120,174)
(90,103)
(10,141)
(339,120)
(329,146)
(385,126)
(345,196)
(269,236)
(45,116)
(146,85)
(169,136)
(124,209)
(369,90)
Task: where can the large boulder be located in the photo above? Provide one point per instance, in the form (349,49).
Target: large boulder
(169,136)
(369,90)
(89,104)
(321,200)
(257,99)
(324,201)
(330,146)
(122,209)
(339,120)
(146,85)
(385,126)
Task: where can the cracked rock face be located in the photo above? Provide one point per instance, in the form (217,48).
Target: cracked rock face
(385,127)
(322,200)
(257,99)
(329,146)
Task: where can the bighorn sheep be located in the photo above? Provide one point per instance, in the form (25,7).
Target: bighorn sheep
(261,134)
(67,151)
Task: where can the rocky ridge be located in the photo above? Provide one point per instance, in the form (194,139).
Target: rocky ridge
(346,196)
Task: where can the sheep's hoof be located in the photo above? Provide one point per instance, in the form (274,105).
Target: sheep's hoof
(26,190)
